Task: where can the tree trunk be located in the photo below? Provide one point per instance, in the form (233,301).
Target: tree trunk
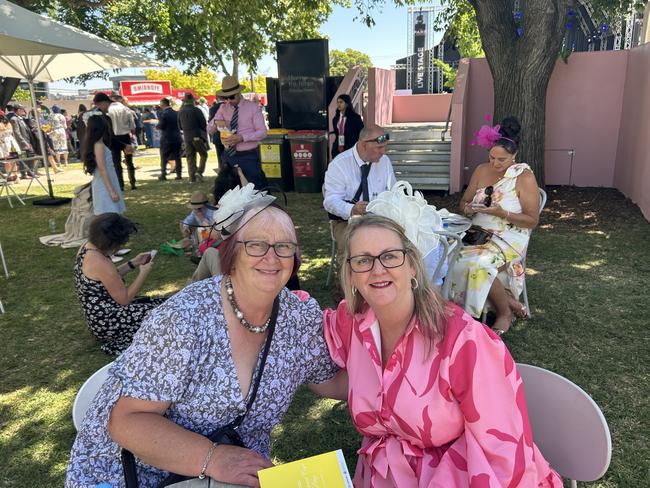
(235,65)
(521,66)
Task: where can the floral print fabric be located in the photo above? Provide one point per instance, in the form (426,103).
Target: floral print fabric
(476,267)
(182,354)
(112,324)
(451,416)
(58,134)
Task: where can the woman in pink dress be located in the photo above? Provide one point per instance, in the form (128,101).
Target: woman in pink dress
(435,393)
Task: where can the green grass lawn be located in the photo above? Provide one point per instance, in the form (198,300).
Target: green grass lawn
(587,281)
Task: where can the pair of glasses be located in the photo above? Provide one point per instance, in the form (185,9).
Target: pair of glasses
(382,139)
(257,249)
(393,258)
(488,195)
(231,97)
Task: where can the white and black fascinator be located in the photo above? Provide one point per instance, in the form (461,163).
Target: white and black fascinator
(234,204)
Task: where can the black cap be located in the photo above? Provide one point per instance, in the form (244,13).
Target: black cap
(101,97)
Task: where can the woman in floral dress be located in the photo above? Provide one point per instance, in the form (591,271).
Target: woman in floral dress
(435,393)
(59,135)
(503,198)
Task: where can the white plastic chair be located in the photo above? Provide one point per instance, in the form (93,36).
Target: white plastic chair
(568,427)
(4,266)
(87,393)
(330,272)
(524,292)
(450,253)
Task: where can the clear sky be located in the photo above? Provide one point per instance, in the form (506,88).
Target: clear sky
(384,43)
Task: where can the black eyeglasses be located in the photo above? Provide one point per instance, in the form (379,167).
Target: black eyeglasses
(231,97)
(393,258)
(488,195)
(382,139)
(257,249)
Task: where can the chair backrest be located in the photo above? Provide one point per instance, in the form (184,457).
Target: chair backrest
(542,199)
(449,255)
(86,394)
(568,427)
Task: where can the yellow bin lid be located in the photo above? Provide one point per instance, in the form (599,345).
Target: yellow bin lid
(277,132)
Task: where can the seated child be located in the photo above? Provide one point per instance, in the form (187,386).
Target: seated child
(198,224)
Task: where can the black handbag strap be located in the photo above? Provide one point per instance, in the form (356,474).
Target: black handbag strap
(267,345)
(128,459)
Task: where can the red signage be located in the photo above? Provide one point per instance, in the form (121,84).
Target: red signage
(145,92)
(181,93)
(148,88)
(303,159)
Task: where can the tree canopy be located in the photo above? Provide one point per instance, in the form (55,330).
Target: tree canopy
(342,61)
(203,82)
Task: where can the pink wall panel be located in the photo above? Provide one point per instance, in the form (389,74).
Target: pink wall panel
(381,86)
(583,107)
(480,101)
(421,108)
(583,113)
(632,172)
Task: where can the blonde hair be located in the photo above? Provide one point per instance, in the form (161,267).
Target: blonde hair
(430,307)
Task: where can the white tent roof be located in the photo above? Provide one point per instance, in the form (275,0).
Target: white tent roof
(36,47)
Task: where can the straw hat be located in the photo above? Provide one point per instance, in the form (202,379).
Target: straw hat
(198,200)
(229,86)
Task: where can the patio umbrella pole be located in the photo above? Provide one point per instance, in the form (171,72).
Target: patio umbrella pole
(52,201)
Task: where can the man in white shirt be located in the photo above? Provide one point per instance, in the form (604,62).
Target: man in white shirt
(354,178)
(123,126)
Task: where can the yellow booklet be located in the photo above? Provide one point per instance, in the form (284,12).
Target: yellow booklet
(323,471)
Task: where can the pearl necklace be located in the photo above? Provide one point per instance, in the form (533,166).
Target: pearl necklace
(240,315)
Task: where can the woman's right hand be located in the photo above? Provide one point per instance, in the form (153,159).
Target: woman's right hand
(237,465)
(146,268)
(115,197)
(468,210)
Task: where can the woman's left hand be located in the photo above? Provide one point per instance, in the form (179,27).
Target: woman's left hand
(495,210)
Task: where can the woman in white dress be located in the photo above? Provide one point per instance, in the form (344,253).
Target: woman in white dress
(106,193)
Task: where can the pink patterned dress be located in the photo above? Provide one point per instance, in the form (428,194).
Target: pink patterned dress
(455,417)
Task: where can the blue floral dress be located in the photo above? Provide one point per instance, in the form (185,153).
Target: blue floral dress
(182,354)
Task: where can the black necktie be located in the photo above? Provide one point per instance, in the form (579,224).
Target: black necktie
(234,123)
(365,169)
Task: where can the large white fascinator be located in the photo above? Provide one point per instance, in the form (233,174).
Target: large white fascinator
(234,204)
(410,210)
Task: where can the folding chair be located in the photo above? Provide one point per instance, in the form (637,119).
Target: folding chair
(568,427)
(6,188)
(524,292)
(449,254)
(330,273)
(87,393)
(4,266)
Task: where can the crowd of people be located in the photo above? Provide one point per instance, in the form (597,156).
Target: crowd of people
(434,392)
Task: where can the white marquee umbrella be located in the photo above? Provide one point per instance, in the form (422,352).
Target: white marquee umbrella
(34,47)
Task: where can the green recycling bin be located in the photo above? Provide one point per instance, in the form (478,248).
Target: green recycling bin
(308,156)
(276,159)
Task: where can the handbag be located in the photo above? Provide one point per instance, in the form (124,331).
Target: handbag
(476,236)
(225,435)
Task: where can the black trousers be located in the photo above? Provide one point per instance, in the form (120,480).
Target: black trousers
(249,162)
(170,151)
(192,147)
(117,148)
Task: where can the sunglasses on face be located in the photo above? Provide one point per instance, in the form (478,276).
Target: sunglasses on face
(382,139)
(488,195)
(231,97)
